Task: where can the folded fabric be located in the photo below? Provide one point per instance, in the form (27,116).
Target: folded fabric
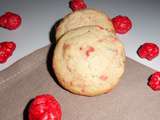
(132,99)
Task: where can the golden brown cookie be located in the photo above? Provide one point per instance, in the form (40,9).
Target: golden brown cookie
(89,61)
(81,18)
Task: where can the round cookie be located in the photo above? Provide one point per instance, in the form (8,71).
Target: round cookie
(89,61)
(81,18)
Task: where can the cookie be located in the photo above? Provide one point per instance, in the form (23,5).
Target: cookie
(89,61)
(84,17)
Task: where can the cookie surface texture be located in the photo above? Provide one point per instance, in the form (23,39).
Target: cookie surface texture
(89,61)
(84,17)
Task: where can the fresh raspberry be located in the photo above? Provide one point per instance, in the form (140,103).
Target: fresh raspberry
(45,107)
(10,21)
(154,81)
(148,51)
(6,50)
(77,5)
(122,24)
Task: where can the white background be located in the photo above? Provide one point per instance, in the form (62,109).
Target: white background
(40,15)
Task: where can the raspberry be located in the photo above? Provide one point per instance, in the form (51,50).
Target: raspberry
(6,50)
(122,24)
(77,5)
(45,107)
(154,81)
(10,21)
(148,51)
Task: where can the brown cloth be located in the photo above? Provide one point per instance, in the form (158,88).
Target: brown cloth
(132,99)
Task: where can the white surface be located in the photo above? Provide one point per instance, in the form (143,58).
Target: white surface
(40,15)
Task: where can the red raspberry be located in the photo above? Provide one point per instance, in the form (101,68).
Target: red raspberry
(45,107)
(148,51)
(77,5)
(122,24)
(10,21)
(154,81)
(6,50)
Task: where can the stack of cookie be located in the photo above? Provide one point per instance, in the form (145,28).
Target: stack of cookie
(88,59)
